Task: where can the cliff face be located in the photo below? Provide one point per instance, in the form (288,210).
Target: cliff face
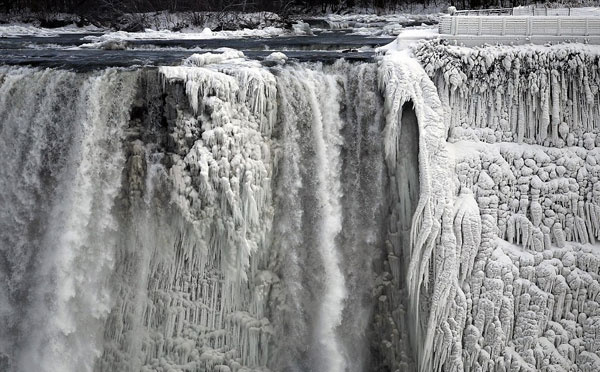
(523,128)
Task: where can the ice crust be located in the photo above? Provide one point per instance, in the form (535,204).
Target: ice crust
(522,128)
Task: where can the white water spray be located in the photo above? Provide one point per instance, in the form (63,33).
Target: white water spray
(78,156)
(326,127)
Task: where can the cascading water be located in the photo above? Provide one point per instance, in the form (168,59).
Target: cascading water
(63,134)
(140,232)
(212,216)
(316,114)
(232,215)
(322,142)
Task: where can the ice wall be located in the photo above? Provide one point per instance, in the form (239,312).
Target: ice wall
(430,266)
(523,129)
(195,279)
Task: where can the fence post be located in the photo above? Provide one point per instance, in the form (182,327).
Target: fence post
(587,32)
(503,26)
(453,25)
(558,31)
(479,28)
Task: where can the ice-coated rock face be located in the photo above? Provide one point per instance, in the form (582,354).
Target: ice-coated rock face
(535,95)
(531,296)
(431,247)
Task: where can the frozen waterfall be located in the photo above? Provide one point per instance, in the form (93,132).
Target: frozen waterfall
(433,210)
(191,216)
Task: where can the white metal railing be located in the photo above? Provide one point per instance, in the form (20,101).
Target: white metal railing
(538,11)
(484,12)
(523,11)
(520,26)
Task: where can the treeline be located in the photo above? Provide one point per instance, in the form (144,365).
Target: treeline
(91,7)
(130,6)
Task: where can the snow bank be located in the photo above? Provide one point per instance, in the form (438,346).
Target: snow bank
(206,33)
(16,30)
(199,60)
(409,37)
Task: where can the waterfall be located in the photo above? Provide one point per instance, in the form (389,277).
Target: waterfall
(326,141)
(232,215)
(62,140)
(220,215)
(321,143)
(317,111)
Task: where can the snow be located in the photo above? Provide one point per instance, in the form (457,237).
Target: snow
(410,37)
(372,20)
(559,9)
(122,37)
(205,33)
(301,28)
(277,57)
(373,25)
(226,54)
(16,30)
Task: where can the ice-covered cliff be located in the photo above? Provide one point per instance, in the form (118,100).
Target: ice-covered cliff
(523,126)
(431,212)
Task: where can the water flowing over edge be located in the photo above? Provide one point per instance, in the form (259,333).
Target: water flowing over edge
(248,168)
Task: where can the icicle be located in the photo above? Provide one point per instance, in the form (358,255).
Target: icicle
(402,79)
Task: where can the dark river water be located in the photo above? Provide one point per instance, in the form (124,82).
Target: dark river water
(65,50)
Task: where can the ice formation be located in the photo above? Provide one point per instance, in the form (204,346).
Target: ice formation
(436,210)
(523,124)
(122,36)
(431,244)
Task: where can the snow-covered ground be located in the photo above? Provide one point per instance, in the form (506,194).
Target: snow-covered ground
(22,29)
(121,36)
(409,37)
